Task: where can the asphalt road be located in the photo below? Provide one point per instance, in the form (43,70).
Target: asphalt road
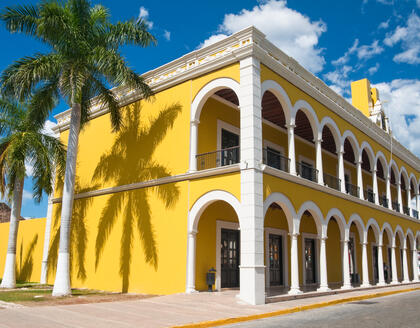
(401,310)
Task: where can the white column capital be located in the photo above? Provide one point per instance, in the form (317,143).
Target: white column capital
(192,233)
(195,122)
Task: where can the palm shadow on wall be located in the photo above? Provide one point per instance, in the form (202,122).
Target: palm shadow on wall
(26,263)
(129,160)
(79,233)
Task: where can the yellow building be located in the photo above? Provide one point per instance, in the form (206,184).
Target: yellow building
(246,163)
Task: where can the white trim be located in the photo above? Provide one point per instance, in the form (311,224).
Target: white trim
(285,256)
(228,127)
(220,224)
(374,282)
(306,235)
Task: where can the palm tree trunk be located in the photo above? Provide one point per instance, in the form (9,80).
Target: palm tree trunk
(9,276)
(47,234)
(62,278)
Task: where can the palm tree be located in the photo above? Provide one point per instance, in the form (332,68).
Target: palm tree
(23,141)
(83,63)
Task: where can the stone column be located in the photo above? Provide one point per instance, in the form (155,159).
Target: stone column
(365,266)
(341,176)
(360,178)
(323,285)
(191,261)
(193,145)
(415,264)
(406,277)
(319,167)
(381,266)
(346,265)
(375,186)
(417,203)
(294,265)
(252,269)
(388,190)
(291,147)
(400,197)
(394,265)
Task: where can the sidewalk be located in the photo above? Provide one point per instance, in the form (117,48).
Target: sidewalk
(172,310)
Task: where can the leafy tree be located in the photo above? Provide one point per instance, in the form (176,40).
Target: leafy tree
(24,141)
(84,62)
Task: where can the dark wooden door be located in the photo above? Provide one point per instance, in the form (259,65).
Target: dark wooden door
(375,263)
(390,264)
(276,260)
(310,266)
(230,256)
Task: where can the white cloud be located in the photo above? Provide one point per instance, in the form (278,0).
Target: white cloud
(373,69)
(144,14)
(409,37)
(26,195)
(29,169)
(167,35)
(368,51)
(401,99)
(288,29)
(384,25)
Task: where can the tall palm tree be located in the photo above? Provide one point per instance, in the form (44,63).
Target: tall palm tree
(83,63)
(23,141)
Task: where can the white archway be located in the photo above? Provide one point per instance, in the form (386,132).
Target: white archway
(376,230)
(281,95)
(285,204)
(310,114)
(316,213)
(341,221)
(357,220)
(388,229)
(330,123)
(353,141)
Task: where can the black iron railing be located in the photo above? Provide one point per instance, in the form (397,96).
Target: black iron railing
(406,210)
(276,160)
(222,157)
(415,213)
(396,206)
(352,190)
(307,172)
(383,201)
(369,196)
(332,181)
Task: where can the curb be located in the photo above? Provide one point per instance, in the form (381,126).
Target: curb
(228,321)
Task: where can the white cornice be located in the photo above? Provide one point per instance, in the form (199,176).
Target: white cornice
(252,42)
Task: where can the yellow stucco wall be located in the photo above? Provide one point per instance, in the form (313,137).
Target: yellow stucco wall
(30,243)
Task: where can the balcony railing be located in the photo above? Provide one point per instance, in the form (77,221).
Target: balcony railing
(415,213)
(222,157)
(383,201)
(406,210)
(396,206)
(332,181)
(276,160)
(307,172)
(370,196)
(352,190)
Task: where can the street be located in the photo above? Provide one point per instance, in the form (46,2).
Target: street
(401,310)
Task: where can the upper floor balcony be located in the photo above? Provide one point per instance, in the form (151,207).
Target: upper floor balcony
(296,142)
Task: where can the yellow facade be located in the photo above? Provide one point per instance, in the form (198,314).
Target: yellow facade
(137,238)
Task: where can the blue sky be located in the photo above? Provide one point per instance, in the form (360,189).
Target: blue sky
(338,41)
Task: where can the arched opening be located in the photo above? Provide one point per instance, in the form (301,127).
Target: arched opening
(304,147)
(308,248)
(334,254)
(274,133)
(394,188)
(381,176)
(276,249)
(410,249)
(219,130)
(372,250)
(404,192)
(218,246)
(350,170)
(367,167)
(329,158)
(355,252)
(387,253)
(399,243)
(413,200)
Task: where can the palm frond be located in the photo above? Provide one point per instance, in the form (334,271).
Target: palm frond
(130,33)
(22,19)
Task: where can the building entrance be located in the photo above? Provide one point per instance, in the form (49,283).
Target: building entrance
(310,267)
(276,260)
(230,258)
